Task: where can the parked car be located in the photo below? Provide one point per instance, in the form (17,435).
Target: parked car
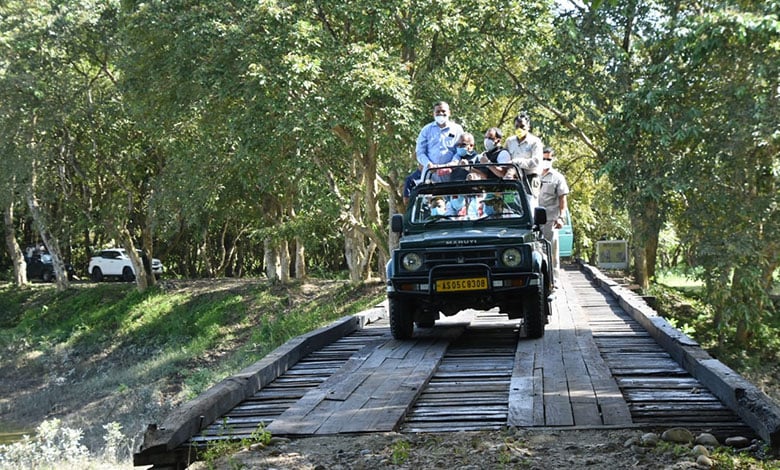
(114,262)
(565,236)
(40,266)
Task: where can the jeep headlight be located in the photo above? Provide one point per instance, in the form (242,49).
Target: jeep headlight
(411,261)
(511,257)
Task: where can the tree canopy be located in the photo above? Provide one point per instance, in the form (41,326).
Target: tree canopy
(249,138)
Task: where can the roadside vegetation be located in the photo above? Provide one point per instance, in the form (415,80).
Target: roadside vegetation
(85,370)
(680,297)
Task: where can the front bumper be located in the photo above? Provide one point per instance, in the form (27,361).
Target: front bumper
(469,286)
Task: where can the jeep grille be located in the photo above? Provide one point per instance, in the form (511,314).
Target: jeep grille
(460,256)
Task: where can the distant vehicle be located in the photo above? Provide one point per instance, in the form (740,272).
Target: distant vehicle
(40,266)
(114,262)
(566,236)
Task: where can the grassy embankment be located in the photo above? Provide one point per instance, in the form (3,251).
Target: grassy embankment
(679,301)
(100,355)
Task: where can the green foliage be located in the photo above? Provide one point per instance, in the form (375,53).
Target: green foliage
(399,452)
(11,302)
(728,458)
(51,446)
(146,337)
(219,133)
(219,449)
(687,309)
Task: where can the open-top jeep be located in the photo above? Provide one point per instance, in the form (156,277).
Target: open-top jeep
(469,244)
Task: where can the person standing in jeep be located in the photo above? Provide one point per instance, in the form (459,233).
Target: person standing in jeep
(526,151)
(436,142)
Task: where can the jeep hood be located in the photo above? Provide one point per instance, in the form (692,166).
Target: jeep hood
(466,237)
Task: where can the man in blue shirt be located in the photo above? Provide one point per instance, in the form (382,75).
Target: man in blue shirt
(436,142)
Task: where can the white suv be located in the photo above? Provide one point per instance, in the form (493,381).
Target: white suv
(114,262)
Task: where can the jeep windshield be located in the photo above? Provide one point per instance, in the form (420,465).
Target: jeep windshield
(458,203)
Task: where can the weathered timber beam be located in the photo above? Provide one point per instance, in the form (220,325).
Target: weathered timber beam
(755,408)
(189,419)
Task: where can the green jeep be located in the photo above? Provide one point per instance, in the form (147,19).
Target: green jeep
(469,244)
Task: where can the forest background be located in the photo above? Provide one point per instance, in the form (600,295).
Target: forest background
(272,138)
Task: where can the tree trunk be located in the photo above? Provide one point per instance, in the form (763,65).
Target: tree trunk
(300,259)
(148,248)
(646,227)
(203,254)
(141,279)
(271,261)
(284,262)
(14,251)
(51,242)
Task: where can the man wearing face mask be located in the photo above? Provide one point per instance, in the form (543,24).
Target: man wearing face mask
(464,151)
(526,151)
(436,143)
(495,152)
(552,196)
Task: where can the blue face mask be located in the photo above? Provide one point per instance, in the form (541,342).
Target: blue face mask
(462,151)
(456,203)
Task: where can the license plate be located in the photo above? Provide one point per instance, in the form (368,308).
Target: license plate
(455,285)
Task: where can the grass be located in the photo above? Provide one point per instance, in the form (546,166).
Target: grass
(680,281)
(99,353)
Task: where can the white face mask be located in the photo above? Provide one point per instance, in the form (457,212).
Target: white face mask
(546,164)
(440,119)
(490,144)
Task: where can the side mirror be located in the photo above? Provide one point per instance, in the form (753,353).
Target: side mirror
(397,223)
(540,216)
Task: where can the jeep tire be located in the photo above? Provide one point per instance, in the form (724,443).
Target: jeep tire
(401,318)
(534,311)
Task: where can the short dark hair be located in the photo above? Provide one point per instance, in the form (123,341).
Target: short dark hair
(523,120)
(496,131)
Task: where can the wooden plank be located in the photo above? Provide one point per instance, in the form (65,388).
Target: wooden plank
(557,407)
(751,404)
(610,401)
(523,397)
(190,418)
(388,404)
(584,404)
(344,402)
(299,418)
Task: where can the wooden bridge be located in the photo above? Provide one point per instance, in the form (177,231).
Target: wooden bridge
(606,360)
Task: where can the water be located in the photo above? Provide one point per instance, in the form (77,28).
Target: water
(9,435)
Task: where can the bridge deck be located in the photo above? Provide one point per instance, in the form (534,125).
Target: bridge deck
(602,362)
(594,367)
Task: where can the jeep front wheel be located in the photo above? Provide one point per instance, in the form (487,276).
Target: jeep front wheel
(401,318)
(534,312)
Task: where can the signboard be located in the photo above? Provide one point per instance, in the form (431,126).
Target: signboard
(612,254)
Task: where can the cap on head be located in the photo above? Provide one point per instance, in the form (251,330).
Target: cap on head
(548,150)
